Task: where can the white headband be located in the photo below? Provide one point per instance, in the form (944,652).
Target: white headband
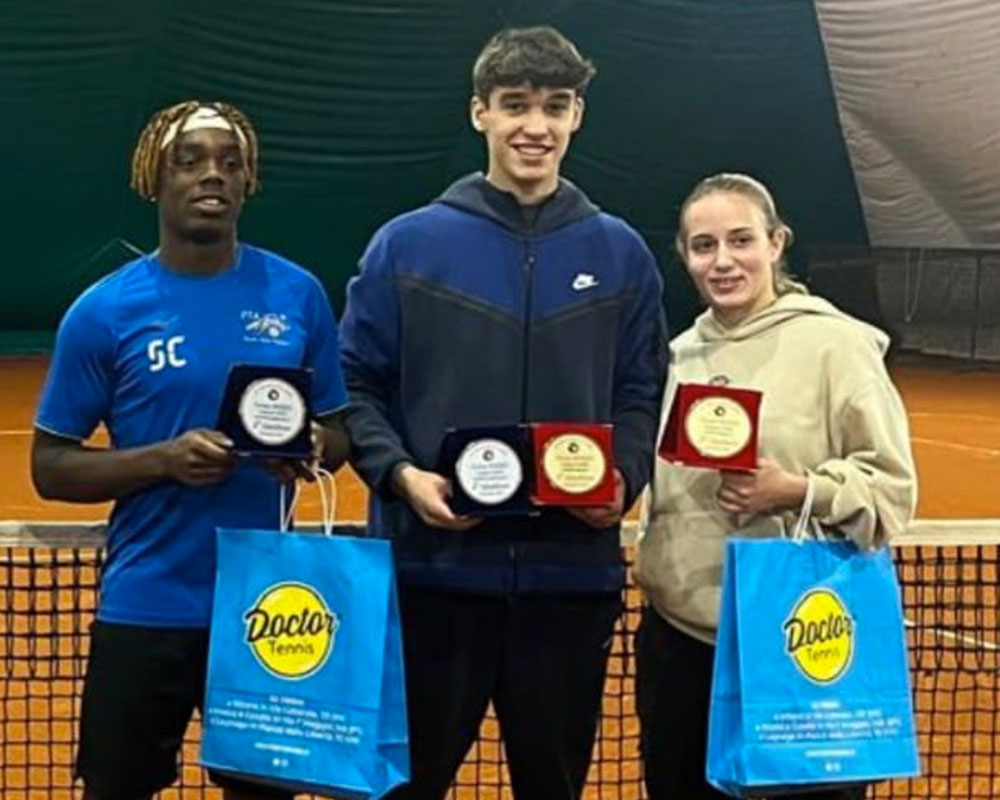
(204,117)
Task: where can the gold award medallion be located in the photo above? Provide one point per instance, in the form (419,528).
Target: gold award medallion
(718,427)
(574,463)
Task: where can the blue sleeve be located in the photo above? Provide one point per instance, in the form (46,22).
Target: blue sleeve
(323,355)
(370,355)
(77,393)
(640,374)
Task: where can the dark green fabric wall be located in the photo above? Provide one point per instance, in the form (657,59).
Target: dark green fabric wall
(362,111)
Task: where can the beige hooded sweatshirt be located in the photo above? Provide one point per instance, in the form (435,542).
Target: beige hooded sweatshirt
(829,411)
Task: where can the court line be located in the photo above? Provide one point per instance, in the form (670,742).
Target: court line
(968,448)
(995,420)
(944,633)
(921,532)
(16,433)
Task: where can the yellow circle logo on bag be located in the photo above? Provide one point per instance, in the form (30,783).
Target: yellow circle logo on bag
(290,630)
(819,636)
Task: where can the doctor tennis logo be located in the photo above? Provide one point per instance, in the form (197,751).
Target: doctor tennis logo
(819,636)
(291,630)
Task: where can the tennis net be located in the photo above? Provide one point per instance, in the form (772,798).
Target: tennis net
(949,571)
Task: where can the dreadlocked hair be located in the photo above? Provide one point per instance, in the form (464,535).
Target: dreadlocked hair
(148,150)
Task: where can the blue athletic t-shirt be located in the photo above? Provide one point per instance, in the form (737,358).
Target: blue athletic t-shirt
(146,351)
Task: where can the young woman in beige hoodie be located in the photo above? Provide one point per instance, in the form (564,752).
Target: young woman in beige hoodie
(830,416)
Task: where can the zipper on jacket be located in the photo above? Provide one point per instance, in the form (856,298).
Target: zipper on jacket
(529,271)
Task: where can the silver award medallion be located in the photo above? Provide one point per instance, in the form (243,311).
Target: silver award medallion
(489,471)
(272,411)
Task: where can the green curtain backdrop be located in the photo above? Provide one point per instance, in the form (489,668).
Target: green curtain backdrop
(362,109)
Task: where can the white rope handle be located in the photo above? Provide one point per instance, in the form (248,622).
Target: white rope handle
(285,516)
(327,499)
(801,529)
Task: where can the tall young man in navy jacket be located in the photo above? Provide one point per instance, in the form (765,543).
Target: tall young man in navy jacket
(511,298)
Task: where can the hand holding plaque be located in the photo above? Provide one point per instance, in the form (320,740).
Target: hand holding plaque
(514,469)
(266,411)
(712,426)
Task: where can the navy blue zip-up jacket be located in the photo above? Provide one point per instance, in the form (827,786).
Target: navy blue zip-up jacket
(464,315)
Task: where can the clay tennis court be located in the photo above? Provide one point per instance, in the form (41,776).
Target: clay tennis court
(955,428)
(954,424)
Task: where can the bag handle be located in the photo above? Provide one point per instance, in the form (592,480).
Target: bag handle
(285,515)
(800,532)
(327,498)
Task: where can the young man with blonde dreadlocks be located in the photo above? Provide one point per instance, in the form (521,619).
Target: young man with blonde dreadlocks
(146,351)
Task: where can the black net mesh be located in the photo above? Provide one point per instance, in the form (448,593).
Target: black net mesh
(48,595)
(936,303)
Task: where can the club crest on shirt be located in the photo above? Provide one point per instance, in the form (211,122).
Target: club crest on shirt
(266,327)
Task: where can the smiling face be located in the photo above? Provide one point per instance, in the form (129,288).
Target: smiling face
(730,254)
(527,133)
(202,186)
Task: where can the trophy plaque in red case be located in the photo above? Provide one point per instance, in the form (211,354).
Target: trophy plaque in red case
(574,464)
(712,426)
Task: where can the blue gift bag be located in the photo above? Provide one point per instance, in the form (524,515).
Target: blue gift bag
(305,686)
(811,681)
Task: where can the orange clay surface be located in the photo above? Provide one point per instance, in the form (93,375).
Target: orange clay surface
(954,424)
(955,428)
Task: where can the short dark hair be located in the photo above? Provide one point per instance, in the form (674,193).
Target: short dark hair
(539,56)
